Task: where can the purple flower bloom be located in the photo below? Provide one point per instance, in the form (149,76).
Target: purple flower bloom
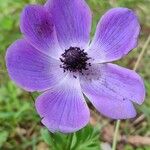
(57,57)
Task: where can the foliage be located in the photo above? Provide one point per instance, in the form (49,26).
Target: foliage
(85,139)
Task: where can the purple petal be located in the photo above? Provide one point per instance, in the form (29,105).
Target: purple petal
(112,107)
(63,108)
(111,90)
(36,24)
(72,19)
(116,35)
(31,69)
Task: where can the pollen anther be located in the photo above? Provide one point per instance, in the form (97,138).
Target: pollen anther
(74,60)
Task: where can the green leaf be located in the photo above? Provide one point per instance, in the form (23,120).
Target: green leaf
(85,139)
(3,137)
(46,136)
(6,23)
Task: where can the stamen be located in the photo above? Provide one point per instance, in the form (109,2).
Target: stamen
(74,60)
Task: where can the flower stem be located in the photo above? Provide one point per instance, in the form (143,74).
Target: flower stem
(116,135)
(135,68)
(69,141)
(142,53)
(31,96)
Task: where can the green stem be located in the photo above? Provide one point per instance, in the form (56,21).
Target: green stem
(31,96)
(116,135)
(142,53)
(69,141)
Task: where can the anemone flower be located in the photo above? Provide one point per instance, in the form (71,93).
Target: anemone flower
(56,57)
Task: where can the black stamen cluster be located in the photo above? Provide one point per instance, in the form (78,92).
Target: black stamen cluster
(74,60)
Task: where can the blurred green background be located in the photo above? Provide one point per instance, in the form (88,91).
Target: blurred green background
(20,127)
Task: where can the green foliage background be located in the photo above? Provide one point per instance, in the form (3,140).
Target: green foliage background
(20,127)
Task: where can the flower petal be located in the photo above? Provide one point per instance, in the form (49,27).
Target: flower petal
(72,19)
(37,26)
(113,108)
(111,90)
(116,35)
(31,69)
(63,108)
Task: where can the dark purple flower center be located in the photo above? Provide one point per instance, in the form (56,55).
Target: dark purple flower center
(75,60)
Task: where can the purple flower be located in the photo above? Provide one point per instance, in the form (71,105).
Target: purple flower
(56,57)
